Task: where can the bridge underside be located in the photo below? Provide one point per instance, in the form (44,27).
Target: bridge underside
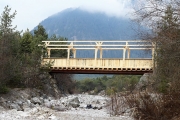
(127,71)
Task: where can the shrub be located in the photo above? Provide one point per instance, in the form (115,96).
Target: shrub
(4,89)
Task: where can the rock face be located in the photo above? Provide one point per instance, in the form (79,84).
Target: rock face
(50,86)
(144,82)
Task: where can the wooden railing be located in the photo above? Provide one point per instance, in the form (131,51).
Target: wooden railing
(99,63)
(116,64)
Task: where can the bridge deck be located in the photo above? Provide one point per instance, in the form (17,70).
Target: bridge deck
(99,66)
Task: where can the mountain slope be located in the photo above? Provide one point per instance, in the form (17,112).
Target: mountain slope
(83,25)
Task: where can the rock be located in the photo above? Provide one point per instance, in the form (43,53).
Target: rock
(4,104)
(97,102)
(102,93)
(19,102)
(41,99)
(32,105)
(74,102)
(74,105)
(99,108)
(52,117)
(92,92)
(44,96)
(27,109)
(2,100)
(48,104)
(49,98)
(28,102)
(59,108)
(25,105)
(143,82)
(89,106)
(15,106)
(33,94)
(36,100)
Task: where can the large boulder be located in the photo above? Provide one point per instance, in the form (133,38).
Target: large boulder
(74,102)
(144,82)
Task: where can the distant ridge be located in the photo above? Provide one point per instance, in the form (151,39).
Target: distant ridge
(77,24)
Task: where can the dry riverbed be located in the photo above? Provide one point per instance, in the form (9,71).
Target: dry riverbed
(22,106)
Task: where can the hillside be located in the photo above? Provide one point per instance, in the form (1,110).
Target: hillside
(83,25)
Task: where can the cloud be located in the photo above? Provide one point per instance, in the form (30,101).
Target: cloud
(31,12)
(119,8)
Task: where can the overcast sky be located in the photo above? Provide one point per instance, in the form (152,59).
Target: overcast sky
(31,12)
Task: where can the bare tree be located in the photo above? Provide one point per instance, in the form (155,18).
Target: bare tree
(162,18)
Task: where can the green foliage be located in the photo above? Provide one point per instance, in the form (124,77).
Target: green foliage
(3,89)
(40,33)
(86,85)
(26,42)
(117,83)
(6,21)
(8,47)
(20,56)
(58,53)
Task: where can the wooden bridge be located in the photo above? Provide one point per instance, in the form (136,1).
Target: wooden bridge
(98,64)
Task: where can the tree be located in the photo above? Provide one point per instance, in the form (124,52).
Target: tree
(59,53)
(163,19)
(25,43)
(9,38)
(41,32)
(168,55)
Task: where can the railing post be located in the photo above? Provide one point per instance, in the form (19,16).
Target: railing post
(124,53)
(67,64)
(127,47)
(74,53)
(129,53)
(101,53)
(49,52)
(68,53)
(95,57)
